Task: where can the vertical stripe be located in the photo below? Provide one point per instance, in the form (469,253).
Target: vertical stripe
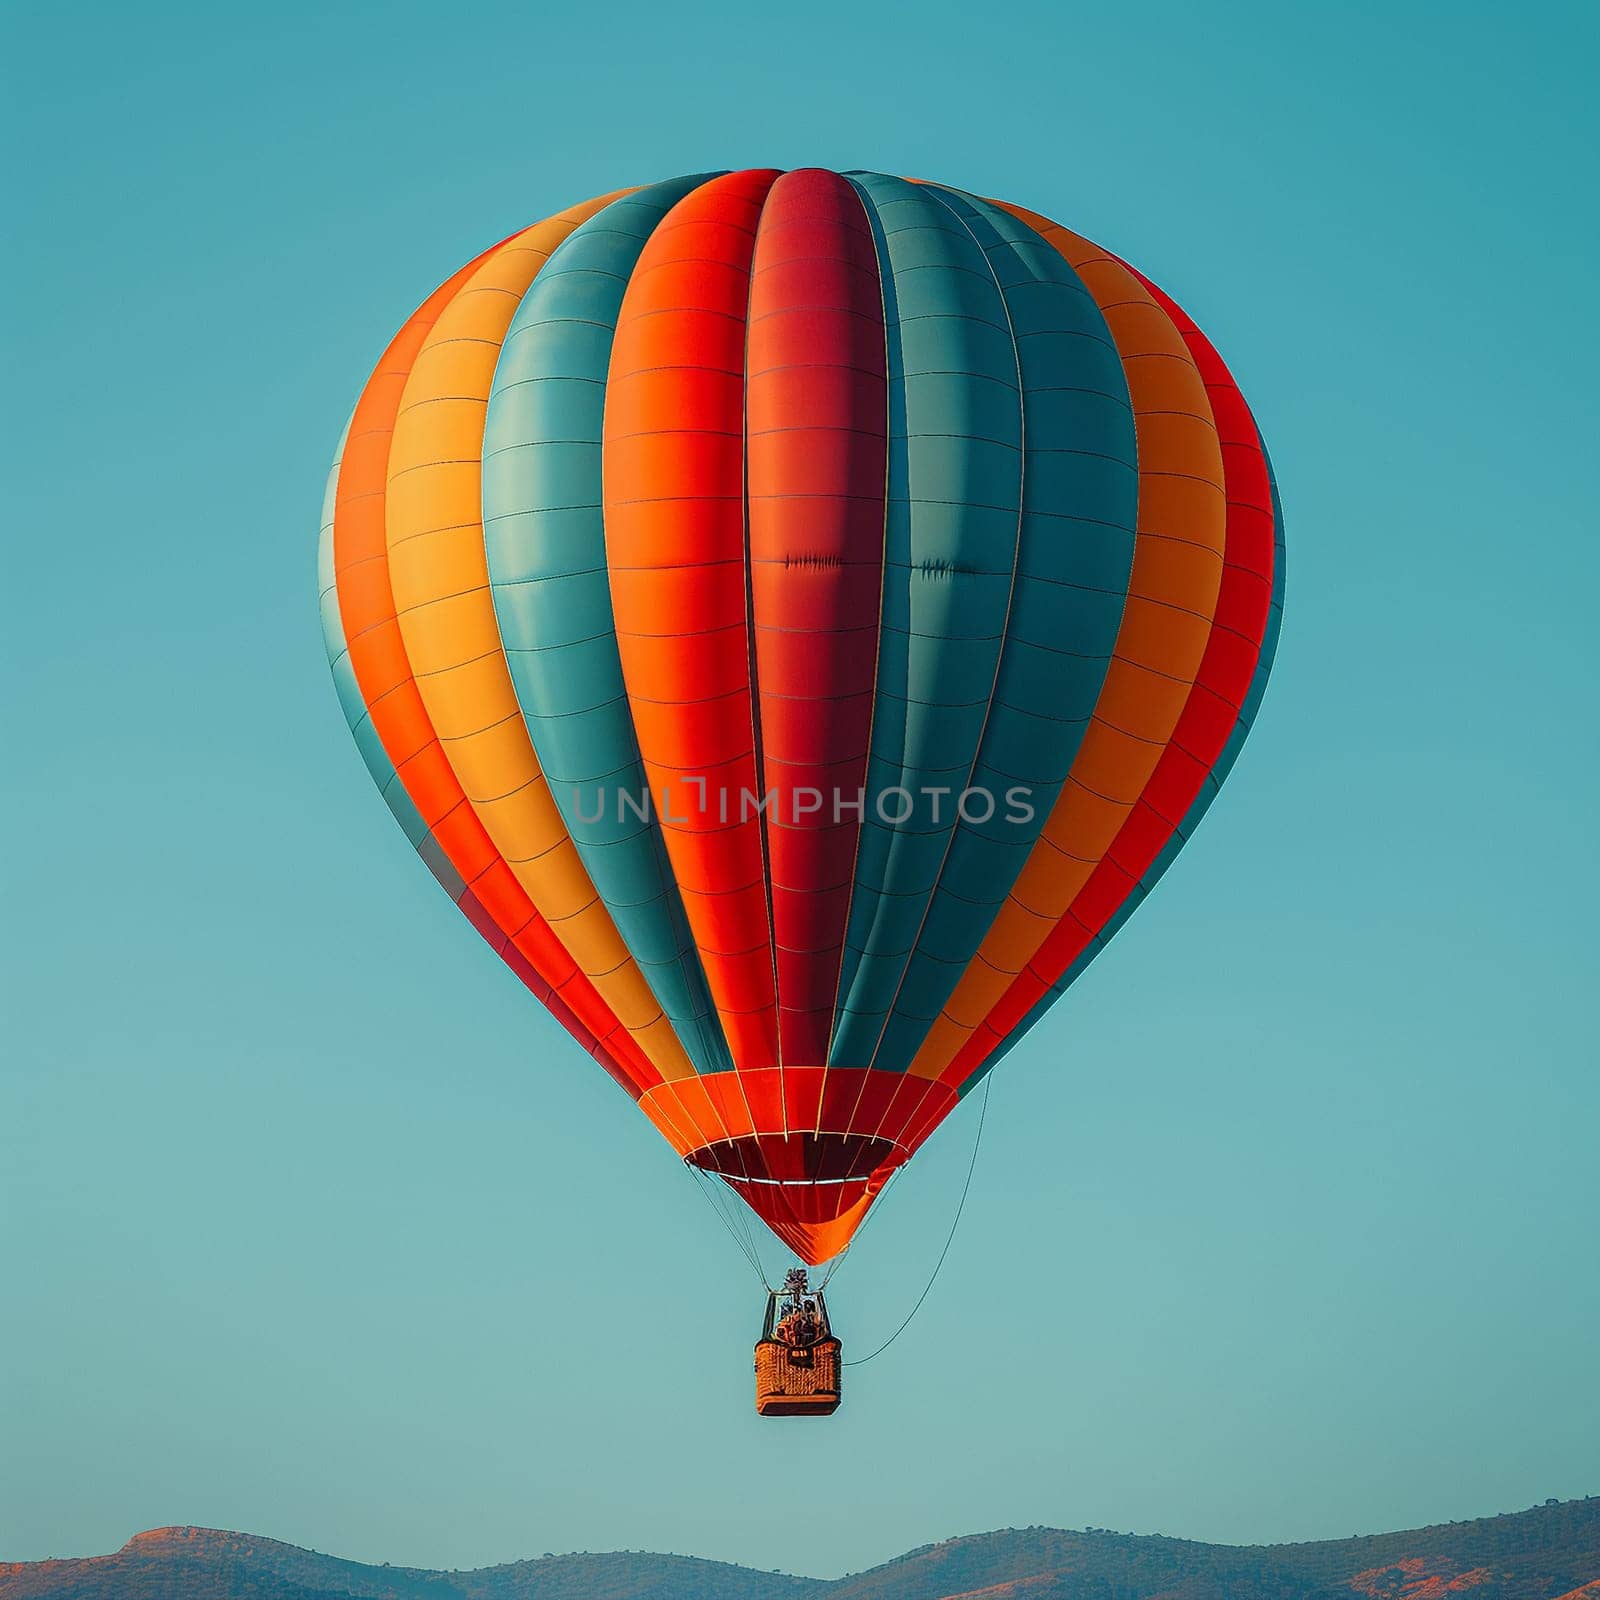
(379,766)
(954,504)
(382,673)
(544,541)
(978,1058)
(816,439)
(673,465)
(1079,508)
(1209,716)
(1166,624)
(446,616)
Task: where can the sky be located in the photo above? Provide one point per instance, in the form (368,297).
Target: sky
(314,1225)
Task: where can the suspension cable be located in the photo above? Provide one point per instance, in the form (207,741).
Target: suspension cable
(950,1237)
(745,1245)
(752,1230)
(872,1216)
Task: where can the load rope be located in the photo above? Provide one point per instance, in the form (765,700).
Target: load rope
(949,1238)
(708,1185)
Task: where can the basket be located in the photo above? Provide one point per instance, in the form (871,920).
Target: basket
(797,1381)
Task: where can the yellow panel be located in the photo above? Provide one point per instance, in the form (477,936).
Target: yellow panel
(463,693)
(450,429)
(459,367)
(450,632)
(446,613)
(432,493)
(1172,597)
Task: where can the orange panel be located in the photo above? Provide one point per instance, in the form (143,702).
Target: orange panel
(675,546)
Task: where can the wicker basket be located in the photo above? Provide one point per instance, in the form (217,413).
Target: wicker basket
(797,1381)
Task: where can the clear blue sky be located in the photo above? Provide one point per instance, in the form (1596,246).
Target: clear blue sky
(313,1224)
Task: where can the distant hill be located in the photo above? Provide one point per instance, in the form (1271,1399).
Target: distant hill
(1549,1553)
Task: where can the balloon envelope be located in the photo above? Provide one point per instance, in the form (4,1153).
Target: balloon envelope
(797,617)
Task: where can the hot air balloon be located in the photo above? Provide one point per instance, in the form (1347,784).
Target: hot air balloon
(797,617)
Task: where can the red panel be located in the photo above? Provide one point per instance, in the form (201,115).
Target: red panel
(1209,715)
(906,1103)
(841,1090)
(802,1096)
(458,832)
(817,440)
(935,1106)
(878,1091)
(673,473)
(502,896)
(1173,786)
(763,1091)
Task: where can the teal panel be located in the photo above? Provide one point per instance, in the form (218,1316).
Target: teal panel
(354,708)
(1209,790)
(1080,493)
(952,524)
(544,537)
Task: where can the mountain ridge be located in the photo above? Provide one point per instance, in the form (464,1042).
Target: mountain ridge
(1549,1552)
